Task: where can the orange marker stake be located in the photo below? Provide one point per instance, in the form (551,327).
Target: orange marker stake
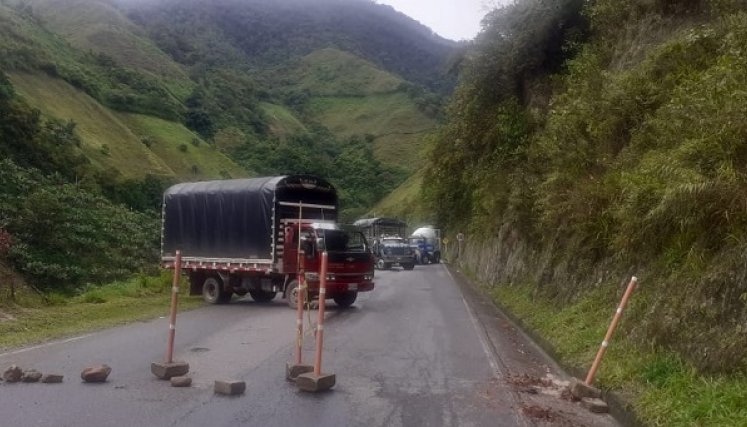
(174,300)
(300,301)
(320,321)
(611,330)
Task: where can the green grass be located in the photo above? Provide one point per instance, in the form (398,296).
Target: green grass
(122,134)
(96,125)
(30,321)
(100,27)
(200,160)
(282,121)
(404,202)
(332,72)
(393,119)
(663,390)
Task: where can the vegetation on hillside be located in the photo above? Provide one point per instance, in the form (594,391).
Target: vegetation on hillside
(590,141)
(117,99)
(63,232)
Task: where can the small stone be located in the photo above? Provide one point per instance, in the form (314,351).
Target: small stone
(595,405)
(230,387)
(181,381)
(166,371)
(51,378)
(315,383)
(13,374)
(96,374)
(580,389)
(31,376)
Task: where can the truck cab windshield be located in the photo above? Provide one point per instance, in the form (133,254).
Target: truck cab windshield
(341,241)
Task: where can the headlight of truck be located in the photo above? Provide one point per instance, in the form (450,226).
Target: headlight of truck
(330,277)
(368,277)
(312,276)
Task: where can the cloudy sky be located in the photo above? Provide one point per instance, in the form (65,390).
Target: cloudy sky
(453,19)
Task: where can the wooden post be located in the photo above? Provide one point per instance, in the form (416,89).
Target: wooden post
(610,331)
(174,300)
(320,321)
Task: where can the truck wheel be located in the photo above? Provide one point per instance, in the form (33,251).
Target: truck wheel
(291,293)
(345,299)
(213,292)
(380,264)
(408,266)
(262,296)
(437,257)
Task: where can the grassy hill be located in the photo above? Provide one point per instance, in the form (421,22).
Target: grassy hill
(114,141)
(332,72)
(115,99)
(99,27)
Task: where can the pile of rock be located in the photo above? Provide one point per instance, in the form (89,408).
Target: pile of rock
(15,374)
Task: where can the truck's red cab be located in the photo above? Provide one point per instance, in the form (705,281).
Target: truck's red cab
(351,264)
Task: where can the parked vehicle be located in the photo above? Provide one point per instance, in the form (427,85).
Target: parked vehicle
(426,242)
(388,245)
(242,236)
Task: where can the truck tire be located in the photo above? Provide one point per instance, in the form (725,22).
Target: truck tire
(408,266)
(437,257)
(345,299)
(380,264)
(291,293)
(262,296)
(213,291)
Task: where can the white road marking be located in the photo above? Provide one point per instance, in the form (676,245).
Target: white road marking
(48,344)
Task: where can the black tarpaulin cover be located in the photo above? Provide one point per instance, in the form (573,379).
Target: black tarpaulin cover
(233,219)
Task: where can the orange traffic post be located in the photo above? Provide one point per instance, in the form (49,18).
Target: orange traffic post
(174,301)
(169,368)
(293,370)
(316,381)
(320,321)
(611,331)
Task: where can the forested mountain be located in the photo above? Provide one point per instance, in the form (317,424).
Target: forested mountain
(121,98)
(589,141)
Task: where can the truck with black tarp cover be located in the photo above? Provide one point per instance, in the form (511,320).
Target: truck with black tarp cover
(242,236)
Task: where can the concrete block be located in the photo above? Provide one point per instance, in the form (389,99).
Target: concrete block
(595,405)
(580,390)
(230,387)
(292,371)
(181,381)
(166,371)
(315,383)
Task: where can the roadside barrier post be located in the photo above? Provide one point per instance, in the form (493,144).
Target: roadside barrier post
(292,371)
(611,331)
(316,381)
(169,368)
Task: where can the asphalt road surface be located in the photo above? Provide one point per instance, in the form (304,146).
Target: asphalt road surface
(422,349)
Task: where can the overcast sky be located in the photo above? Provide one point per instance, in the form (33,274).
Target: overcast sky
(452,19)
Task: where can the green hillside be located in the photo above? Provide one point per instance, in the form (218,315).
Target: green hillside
(115,141)
(119,99)
(332,72)
(99,27)
(592,141)
(397,126)
(405,202)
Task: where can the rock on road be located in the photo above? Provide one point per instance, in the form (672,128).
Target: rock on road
(422,349)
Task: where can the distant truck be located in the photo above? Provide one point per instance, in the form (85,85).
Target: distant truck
(426,242)
(242,236)
(386,236)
